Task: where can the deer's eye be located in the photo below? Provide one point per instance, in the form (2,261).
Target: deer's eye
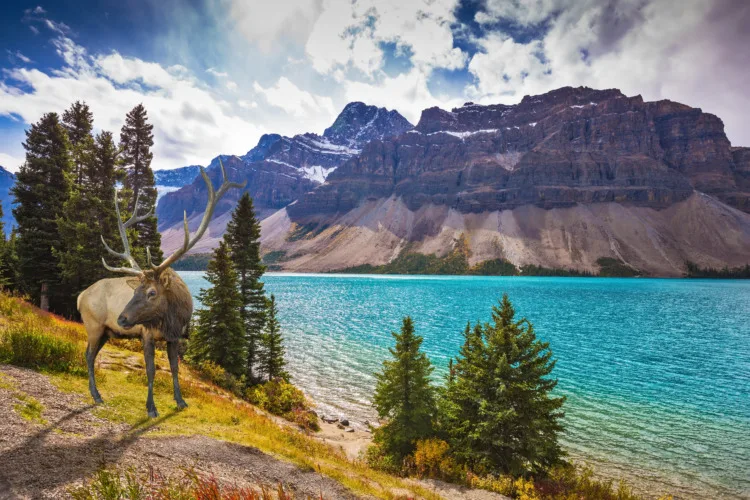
(151,293)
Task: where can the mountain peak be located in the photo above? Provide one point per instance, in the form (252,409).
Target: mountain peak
(359,123)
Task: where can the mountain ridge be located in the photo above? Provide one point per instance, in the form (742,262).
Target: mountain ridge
(561,179)
(280,169)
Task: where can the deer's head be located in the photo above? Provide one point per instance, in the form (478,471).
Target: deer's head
(161,299)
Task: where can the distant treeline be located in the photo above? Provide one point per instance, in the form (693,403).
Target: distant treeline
(695,271)
(193,262)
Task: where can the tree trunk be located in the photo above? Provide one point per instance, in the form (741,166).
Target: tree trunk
(44,301)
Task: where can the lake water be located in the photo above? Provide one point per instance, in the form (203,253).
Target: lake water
(656,371)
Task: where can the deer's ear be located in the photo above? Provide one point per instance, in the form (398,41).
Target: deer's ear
(133,282)
(165,279)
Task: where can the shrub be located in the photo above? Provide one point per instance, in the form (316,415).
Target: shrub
(284,399)
(432,459)
(211,372)
(378,459)
(30,347)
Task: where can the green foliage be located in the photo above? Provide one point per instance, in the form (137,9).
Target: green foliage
(32,347)
(695,271)
(136,139)
(89,212)
(219,334)
(8,260)
(211,372)
(192,262)
(404,395)
(42,187)
(609,267)
(243,238)
(305,231)
(271,362)
(494,267)
(496,410)
(282,398)
(273,260)
(534,270)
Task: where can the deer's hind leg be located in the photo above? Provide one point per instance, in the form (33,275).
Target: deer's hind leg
(97,339)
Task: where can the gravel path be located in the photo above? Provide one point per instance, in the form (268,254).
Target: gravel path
(42,460)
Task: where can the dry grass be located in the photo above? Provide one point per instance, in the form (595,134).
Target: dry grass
(213,412)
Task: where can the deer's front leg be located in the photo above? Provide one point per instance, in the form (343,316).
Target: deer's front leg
(174,365)
(148,354)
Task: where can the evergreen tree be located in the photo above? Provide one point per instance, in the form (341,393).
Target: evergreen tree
(41,189)
(404,395)
(497,410)
(9,263)
(89,212)
(271,360)
(78,122)
(243,238)
(4,281)
(136,139)
(219,333)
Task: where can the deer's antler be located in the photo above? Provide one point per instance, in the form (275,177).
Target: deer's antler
(134,268)
(213,199)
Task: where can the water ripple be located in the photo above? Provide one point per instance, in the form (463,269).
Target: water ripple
(657,372)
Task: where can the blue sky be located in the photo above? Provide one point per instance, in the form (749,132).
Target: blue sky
(216,74)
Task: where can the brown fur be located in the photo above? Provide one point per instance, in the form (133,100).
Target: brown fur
(150,307)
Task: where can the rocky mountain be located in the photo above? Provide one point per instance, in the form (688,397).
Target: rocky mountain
(559,180)
(171,180)
(7,179)
(278,171)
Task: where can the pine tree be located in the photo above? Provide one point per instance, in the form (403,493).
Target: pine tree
(404,396)
(497,410)
(136,139)
(41,189)
(4,281)
(9,263)
(89,212)
(78,122)
(243,238)
(271,360)
(219,333)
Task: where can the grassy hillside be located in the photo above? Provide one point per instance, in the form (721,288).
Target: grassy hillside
(44,342)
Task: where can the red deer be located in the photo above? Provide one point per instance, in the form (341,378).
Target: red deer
(153,304)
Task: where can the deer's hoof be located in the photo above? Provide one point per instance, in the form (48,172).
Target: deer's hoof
(153,413)
(98,399)
(181,405)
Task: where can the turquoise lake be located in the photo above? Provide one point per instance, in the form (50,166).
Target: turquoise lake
(656,371)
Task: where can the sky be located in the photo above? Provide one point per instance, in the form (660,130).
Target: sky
(216,74)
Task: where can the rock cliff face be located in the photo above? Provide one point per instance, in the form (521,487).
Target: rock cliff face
(566,147)
(278,170)
(558,180)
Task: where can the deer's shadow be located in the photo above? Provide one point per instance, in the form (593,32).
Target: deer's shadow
(39,464)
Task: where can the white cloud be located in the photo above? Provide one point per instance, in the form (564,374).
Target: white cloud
(297,102)
(273,24)
(11,162)
(350,35)
(694,53)
(191,122)
(408,93)
(23,58)
(232,85)
(217,74)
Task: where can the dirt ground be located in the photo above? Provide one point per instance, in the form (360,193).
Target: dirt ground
(42,460)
